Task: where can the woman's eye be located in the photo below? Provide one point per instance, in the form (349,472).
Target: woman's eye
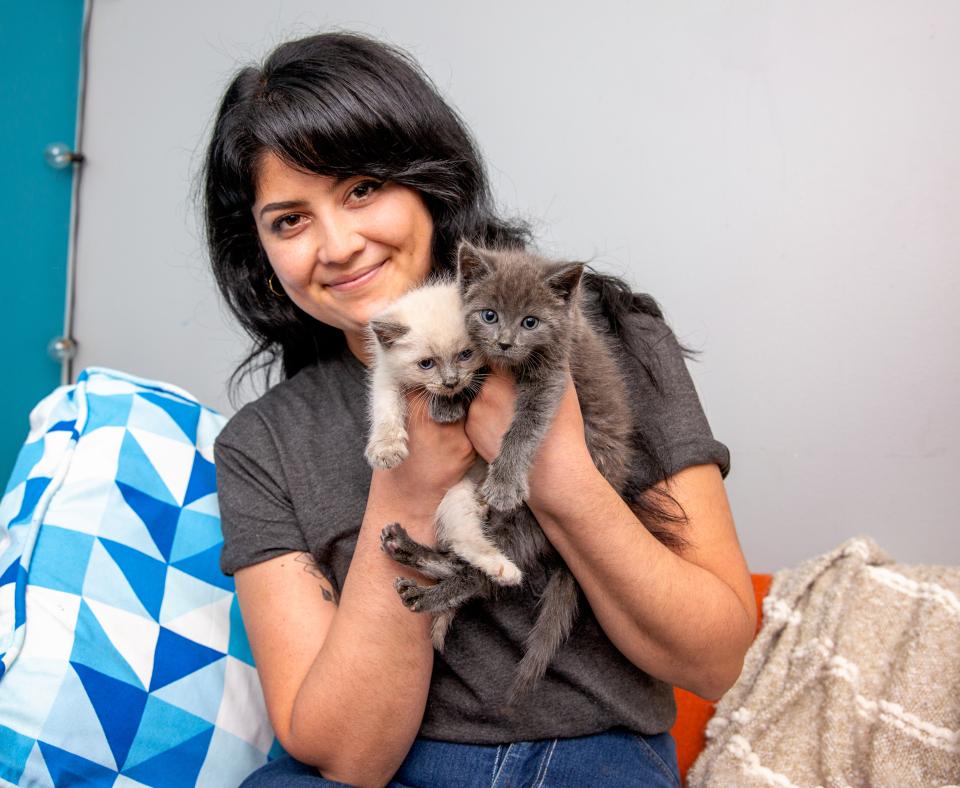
(364,189)
(464,355)
(488,316)
(286,222)
(426,363)
(530,322)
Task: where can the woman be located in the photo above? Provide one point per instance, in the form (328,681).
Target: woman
(336,179)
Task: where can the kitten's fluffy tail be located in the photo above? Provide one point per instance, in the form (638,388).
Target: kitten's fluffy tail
(439,627)
(558,609)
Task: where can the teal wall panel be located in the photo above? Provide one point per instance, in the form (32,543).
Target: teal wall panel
(40,66)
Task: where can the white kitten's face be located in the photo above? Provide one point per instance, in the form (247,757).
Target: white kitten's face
(423,339)
(443,368)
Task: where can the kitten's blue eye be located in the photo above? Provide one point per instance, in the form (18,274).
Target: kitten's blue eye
(425,363)
(463,355)
(488,316)
(530,322)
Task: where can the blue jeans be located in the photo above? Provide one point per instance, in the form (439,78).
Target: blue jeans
(615,759)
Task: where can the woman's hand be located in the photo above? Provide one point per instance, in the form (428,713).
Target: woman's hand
(491,413)
(439,456)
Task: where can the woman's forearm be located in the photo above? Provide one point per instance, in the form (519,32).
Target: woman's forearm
(672,618)
(361,704)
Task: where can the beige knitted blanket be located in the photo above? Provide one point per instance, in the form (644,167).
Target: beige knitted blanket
(854,680)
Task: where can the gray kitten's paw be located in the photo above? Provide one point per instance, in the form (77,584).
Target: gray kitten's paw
(395,542)
(503,494)
(446,410)
(411,594)
(387,451)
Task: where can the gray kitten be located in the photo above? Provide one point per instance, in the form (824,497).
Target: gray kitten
(528,315)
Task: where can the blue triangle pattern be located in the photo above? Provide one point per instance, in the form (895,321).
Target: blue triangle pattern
(60,559)
(10,573)
(206,566)
(119,708)
(27,459)
(159,516)
(16,750)
(186,415)
(146,575)
(162,727)
(107,410)
(196,532)
(176,767)
(135,470)
(69,769)
(200,692)
(203,479)
(66,426)
(33,489)
(239,645)
(92,647)
(176,656)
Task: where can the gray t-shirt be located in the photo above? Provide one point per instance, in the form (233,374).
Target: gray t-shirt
(292,476)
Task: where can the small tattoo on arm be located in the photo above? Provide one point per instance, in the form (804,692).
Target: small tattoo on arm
(311,568)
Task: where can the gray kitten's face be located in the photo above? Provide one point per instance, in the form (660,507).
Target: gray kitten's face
(516,303)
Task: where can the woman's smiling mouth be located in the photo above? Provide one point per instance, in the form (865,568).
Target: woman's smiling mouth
(354,281)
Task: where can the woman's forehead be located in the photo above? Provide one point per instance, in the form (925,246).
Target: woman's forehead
(275,179)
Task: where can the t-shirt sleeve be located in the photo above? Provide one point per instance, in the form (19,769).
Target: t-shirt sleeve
(256,515)
(669,415)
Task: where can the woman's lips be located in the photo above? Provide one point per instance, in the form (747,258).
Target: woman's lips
(359,281)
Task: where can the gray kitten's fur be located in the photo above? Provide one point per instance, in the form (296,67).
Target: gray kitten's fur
(539,328)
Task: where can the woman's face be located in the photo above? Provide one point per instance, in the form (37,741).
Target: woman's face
(341,249)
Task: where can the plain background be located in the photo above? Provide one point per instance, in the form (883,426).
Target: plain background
(783,177)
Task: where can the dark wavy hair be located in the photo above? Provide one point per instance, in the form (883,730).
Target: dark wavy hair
(342,104)
(337,104)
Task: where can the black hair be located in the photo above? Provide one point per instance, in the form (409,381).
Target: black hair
(343,104)
(337,104)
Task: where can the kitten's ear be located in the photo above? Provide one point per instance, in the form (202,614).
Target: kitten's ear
(387,332)
(565,281)
(472,266)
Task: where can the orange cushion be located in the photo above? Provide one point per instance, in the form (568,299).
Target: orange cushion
(694,712)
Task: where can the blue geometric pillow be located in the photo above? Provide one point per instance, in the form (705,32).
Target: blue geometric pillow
(123,658)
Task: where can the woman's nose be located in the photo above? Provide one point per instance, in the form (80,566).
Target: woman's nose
(340,240)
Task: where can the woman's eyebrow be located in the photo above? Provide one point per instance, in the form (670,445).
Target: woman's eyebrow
(282,206)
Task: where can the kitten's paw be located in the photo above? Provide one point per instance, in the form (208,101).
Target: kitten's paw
(502,494)
(387,451)
(501,570)
(396,543)
(411,594)
(446,410)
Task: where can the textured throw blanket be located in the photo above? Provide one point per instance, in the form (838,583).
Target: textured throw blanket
(854,680)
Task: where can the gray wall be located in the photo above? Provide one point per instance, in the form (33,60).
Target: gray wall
(784,177)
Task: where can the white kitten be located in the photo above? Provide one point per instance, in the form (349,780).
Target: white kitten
(420,344)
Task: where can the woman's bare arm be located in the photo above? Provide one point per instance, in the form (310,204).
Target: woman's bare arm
(346,680)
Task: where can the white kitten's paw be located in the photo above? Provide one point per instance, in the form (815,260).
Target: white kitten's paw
(498,568)
(502,495)
(387,451)
(508,574)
